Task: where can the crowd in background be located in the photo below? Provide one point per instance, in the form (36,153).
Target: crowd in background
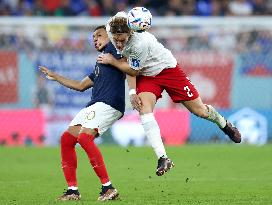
(157,7)
(185,39)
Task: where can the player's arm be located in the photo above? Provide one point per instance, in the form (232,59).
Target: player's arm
(134,98)
(121,64)
(81,86)
(134,63)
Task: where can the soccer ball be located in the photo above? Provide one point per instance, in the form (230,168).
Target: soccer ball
(139,19)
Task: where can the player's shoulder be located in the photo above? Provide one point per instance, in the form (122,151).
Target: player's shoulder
(140,41)
(110,48)
(144,36)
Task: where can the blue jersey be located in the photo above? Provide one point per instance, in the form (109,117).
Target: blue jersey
(109,83)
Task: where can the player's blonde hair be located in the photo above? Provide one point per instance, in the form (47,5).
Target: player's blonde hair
(119,25)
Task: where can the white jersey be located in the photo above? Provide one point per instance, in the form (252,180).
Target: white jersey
(146,54)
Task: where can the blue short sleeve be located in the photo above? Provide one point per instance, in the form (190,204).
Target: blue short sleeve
(91,76)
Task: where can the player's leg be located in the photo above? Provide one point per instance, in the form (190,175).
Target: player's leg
(208,112)
(69,162)
(99,118)
(86,140)
(180,89)
(149,92)
(197,107)
(150,124)
(68,156)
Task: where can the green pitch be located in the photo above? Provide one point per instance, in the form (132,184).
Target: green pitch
(204,174)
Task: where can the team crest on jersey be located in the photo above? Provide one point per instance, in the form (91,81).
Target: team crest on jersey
(135,62)
(90,115)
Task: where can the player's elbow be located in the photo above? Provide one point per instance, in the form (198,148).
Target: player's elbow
(81,88)
(84,85)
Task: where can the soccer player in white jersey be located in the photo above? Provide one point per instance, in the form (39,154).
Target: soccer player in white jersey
(156,70)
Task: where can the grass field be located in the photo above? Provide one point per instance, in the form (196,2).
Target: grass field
(204,174)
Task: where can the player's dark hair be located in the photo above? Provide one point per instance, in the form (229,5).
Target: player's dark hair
(99,27)
(119,25)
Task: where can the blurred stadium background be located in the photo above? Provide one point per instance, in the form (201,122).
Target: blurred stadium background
(224,46)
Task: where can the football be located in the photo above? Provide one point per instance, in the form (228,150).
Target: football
(139,19)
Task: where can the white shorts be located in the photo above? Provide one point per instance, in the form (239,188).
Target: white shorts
(98,116)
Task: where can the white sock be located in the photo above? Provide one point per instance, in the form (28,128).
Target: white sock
(215,117)
(107,184)
(73,188)
(153,134)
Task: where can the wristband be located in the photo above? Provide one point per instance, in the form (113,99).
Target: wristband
(132,92)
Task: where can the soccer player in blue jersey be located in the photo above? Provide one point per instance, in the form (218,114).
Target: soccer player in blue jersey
(106,106)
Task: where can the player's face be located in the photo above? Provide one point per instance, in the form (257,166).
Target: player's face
(100,39)
(120,40)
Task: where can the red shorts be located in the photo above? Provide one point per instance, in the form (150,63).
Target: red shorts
(173,80)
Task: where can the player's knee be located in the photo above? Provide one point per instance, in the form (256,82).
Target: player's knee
(145,110)
(86,138)
(74,130)
(89,131)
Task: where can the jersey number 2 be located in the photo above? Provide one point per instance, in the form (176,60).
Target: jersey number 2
(186,88)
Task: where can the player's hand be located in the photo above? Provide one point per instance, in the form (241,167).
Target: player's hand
(105,58)
(136,102)
(48,73)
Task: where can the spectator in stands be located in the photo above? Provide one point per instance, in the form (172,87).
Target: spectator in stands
(259,7)
(121,5)
(200,42)
(269,6)
(51,6)
(204,7)
(64,9)
(244,42)
(24,8)
(223,41)
(224,7)
(188,7)
(5,10)
(240,8)
(158,7)
(173,8)
(79,7)
(94,9)
(38,8)
(109,8)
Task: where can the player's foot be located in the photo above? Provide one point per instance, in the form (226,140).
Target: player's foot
(164,165)
(232,132)
(70,194)
(108,193)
